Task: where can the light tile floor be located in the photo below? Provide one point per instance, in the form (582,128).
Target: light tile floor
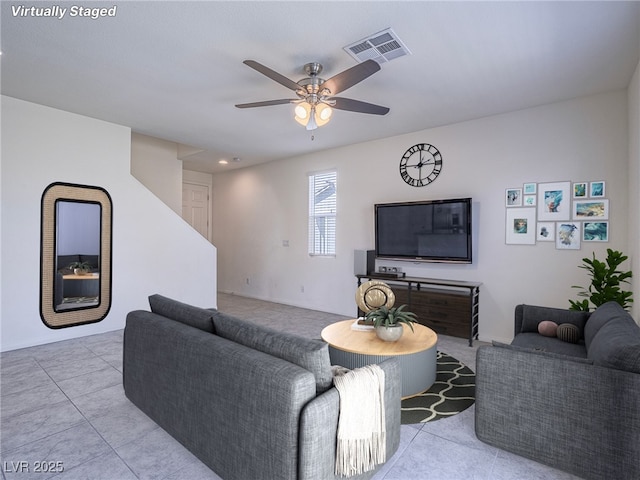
(64,413)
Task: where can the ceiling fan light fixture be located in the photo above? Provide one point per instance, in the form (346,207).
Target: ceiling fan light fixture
(323,114)
(302,112)
(312,124)
(312,116)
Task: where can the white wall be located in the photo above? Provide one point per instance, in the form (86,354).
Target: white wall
(155,163)
(634,187)
(154,250)
(256,208)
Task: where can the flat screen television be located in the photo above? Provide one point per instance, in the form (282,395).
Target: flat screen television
(425,231)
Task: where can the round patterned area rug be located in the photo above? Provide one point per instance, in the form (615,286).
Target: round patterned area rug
(452,392)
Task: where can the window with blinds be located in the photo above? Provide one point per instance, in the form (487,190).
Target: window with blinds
(322,213)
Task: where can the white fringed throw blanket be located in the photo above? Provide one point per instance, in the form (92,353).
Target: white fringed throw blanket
(361,426)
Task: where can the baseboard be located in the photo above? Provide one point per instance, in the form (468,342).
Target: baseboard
(497,339)
(288,303)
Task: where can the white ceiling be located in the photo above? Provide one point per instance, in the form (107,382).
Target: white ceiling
(174,70)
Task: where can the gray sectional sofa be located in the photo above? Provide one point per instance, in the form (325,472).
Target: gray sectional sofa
(250,402)
(573,406)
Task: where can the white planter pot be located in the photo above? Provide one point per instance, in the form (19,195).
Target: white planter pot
(389,334)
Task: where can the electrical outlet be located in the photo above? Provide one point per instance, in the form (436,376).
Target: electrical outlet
(247,280)
(301,288)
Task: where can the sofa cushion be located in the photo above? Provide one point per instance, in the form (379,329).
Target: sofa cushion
(181,312)
(600,316)
(567,332)
(534,341)
(312,355)
(566,355)
(532,316)
(548,328)
(617,345)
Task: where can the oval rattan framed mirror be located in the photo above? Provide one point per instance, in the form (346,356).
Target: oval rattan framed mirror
(75,249)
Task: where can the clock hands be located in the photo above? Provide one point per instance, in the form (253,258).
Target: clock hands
(422,163)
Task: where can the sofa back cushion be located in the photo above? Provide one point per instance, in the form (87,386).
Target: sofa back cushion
(181,312)
(533,315)
(600,316)
(92,260)
(617,344)
(312,355)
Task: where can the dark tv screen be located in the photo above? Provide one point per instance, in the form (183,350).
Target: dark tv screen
(429,231)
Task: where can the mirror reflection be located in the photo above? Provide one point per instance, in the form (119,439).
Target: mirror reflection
(77,283)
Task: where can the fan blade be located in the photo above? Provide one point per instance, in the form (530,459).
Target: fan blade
(272,74)
(266,103)
(340,82)
(358,106)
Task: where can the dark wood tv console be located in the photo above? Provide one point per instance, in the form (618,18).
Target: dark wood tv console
(448,307)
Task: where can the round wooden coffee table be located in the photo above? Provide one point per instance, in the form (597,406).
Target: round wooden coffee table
(416,352)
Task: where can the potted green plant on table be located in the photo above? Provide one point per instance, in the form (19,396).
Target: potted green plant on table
(388,322)
(605,282)
(80,268)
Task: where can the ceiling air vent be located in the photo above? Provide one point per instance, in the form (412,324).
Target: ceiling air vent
(382,47)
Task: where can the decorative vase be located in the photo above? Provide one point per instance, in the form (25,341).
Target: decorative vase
(389,334)
(80,271)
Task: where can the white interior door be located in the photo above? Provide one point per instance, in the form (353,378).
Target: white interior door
(195,207)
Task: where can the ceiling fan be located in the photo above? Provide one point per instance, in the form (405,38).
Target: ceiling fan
(316,95)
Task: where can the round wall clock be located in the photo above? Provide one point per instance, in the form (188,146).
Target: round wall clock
(420,165)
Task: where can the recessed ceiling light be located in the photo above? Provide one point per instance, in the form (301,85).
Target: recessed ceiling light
(223,162)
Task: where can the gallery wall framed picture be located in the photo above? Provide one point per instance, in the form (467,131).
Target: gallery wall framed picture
(568,235)
(596,189)
(595,231)
(594,209)
(554,201)
(546,232)
(521,226)
(513,197)
(580,190)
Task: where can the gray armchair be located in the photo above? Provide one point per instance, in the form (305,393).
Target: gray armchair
(567,411)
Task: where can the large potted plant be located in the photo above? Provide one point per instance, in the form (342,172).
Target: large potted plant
(388,322)
(606,282)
